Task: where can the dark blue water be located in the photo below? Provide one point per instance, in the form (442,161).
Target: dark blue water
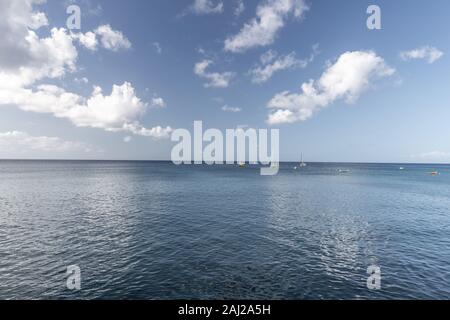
(143,230)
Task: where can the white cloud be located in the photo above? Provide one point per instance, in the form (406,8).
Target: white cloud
(108,112)
(88,40)
(261,74)
(206,7)
(38,59)
(215,79)
(262,30)
(240,8)
(431,54)
(157,47)
(17,19)
(49,57)
(17,141)
(158,102)
(25,57)
(112,39)
(268,56)
(38,20)
(157,132)
(105,36)
(347,78)
(227,108)
(272,63)
(83,80)
(116,112)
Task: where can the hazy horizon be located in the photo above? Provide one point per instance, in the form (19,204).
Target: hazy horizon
(282,161)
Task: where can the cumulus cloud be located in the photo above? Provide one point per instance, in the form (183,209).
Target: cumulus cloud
(88,40)
(39,59)
(206,7)
(227,108)
(215,79)
(272,63)
(105,36)
(430,54)
(17,22)
(116,112)
(109,112)
(18,141)
(112,39)
(262,30)
(49,57)
(347,78)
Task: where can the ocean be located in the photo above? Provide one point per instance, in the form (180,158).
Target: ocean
(153,230)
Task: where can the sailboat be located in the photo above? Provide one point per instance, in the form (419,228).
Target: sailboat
(302,164)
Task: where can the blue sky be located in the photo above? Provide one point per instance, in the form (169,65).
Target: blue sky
(174,62)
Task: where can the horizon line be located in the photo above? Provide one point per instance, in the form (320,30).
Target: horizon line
(149,160)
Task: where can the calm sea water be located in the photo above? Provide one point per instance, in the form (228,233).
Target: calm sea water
(149,230)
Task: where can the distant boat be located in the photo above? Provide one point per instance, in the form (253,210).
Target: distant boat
(434,173)
(343,171)
(241,164)
(302,164)
(401,168)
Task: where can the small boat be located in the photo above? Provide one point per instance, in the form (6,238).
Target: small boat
(401,168)
(434,173)
(302,164)
(343,171)
(241,164)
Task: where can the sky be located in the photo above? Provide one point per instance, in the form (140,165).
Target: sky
(136,70)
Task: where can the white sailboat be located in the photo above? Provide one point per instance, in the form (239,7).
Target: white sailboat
(302,164)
